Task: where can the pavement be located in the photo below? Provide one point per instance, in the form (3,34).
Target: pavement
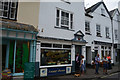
(89,74)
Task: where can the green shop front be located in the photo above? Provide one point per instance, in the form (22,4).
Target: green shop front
(18,46)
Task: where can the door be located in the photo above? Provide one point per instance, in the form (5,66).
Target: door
(3,56)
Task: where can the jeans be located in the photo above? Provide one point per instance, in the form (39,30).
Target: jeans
(97,67)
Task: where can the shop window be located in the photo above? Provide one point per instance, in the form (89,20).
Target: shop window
(46,45)
(66,46)
(102,54)
(106,54)
(55,57)
(57,45)
(22,55)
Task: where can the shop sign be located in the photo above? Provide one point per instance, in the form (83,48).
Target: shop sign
(56,71)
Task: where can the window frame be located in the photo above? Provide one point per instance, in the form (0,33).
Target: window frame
(102,11)
(107,32)
(87,27)
(116,34)
(98,30)
(9,10)
(70,21)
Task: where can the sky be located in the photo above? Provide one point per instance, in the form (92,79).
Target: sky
(110,4)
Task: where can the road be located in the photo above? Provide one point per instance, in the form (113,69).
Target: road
(114,76)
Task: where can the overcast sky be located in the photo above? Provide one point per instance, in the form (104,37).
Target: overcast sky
(110,4)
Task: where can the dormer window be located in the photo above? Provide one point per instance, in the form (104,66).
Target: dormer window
(102,11)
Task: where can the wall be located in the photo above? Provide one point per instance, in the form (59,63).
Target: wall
(48,16)
(28,13)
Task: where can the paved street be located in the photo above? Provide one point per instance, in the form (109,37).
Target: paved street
(114,75)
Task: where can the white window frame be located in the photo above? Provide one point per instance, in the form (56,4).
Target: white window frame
(102,11)
(9,9)
(107,32)
(87,26)
(13,8)
(98,30)
(70,22)
(116,34)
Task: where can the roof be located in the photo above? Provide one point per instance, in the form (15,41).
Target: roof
(10,24)
(95,6)
(113,11)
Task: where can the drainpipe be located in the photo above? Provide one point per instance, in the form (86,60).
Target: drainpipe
(112,39)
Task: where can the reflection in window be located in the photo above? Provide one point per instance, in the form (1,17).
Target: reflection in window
(55,57)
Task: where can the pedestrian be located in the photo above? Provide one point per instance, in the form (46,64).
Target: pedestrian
(105,61)
(109,61)
(97,61)
(82,66)
(77,62)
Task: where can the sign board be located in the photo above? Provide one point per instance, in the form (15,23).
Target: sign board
(29,70)
(55,71)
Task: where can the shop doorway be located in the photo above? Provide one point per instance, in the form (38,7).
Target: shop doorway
(78,49)
(3,56)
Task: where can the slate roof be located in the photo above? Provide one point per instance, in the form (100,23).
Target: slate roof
(5,23)
(95,6)
(112,11)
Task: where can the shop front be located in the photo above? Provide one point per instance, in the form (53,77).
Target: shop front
(18,46)
(57,56)
(103,49)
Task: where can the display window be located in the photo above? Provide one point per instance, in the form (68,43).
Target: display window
(21,56)
(55,57)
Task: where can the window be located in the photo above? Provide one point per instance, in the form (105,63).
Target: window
(107,32)
(55,57)
(98,32)
(87,26)
(116,34)
(8,9)
(117,17)
(64,19)
(102,11)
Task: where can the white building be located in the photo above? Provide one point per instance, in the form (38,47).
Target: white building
(115,22)
(61,26)
(98,32)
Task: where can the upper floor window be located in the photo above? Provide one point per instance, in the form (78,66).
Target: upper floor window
(98,31)
(116,34)
(8,9)
(102,11)
(107,32)
(117,17)
(87,27)
(64,19)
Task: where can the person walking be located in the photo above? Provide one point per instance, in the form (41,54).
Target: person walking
(97,61)
(105,61)
(82,66)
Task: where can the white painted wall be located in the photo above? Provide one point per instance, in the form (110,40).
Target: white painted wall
(47,19)
(115,25)
(103,22)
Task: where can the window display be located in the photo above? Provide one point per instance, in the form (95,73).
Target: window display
(55,57)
